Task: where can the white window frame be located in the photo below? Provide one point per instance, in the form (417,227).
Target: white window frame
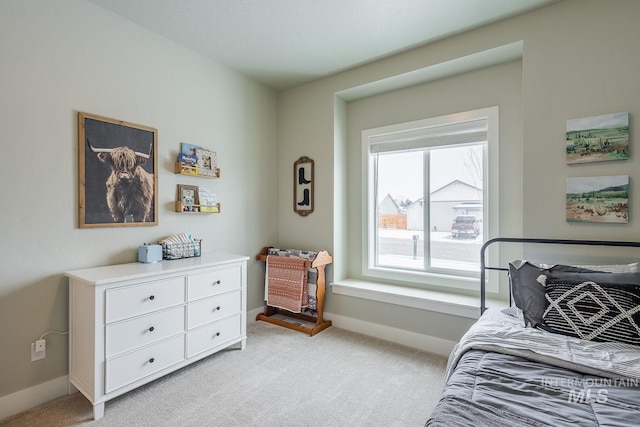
(412,135)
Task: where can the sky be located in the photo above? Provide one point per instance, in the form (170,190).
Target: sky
(401,174)
(599,122)
(582,185)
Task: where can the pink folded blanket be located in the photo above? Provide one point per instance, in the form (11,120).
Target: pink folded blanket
(286,283)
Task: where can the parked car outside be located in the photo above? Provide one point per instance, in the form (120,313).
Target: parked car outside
(465,226)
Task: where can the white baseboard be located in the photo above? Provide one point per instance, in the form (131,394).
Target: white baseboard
(31,397)
(251,315)
(400,336)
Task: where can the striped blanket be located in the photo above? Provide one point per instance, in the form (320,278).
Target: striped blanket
(505,374)
(503,333)
(286,283)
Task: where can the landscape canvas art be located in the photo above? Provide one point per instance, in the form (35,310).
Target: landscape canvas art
(597,139)
(598,199)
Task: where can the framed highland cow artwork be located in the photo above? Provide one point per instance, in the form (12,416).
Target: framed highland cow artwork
(117,173)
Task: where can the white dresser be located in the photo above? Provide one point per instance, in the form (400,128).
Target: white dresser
(133,323)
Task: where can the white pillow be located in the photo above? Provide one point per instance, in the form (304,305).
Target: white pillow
(613,268)
(634,267)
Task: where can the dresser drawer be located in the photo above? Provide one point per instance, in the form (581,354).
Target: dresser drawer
(213,282)
(130,367)
(130,301)
(213,335)
(143,330)
(213,308)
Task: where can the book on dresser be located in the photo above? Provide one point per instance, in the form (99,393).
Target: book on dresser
(130,324)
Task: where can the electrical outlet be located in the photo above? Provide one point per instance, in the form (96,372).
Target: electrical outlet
(38,350)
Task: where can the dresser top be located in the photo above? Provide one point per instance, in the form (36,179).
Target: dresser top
(136,270)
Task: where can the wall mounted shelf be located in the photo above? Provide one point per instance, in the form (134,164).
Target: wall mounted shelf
(192,170)
(196,209)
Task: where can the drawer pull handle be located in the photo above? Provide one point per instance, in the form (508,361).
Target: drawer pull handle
(152,297)
(151,329)
(217,308)
(217,282)
(152,360)
(216,335)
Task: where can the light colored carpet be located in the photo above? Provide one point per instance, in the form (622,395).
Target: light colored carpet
(282,378)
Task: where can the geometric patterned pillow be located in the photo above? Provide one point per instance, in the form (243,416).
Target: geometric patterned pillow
(595,312)
(527,292)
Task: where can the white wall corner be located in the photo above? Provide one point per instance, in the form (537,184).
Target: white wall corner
(251,315)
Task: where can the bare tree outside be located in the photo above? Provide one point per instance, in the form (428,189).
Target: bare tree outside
(473,165)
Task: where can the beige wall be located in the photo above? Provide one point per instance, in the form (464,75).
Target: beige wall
(61,57)
(583,63)
(578,59)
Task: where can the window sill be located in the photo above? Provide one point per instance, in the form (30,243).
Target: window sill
(442,302)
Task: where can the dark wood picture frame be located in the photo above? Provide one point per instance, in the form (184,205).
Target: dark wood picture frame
(117,173)
(303,178)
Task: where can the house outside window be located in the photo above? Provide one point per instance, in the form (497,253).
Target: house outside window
(426,212)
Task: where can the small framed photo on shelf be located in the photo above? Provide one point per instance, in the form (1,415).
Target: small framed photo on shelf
(188,197)
(207,162)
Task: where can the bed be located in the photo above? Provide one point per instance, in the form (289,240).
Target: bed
(567,352)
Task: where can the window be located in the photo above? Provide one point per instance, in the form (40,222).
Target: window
(427,205)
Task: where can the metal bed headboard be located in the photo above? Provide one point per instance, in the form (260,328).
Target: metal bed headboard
(484,267)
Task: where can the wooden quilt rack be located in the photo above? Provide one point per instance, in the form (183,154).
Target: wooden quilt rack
(319,323)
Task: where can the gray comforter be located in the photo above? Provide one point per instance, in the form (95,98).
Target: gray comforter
(503,374)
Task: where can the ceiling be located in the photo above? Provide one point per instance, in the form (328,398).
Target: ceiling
(285,43)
